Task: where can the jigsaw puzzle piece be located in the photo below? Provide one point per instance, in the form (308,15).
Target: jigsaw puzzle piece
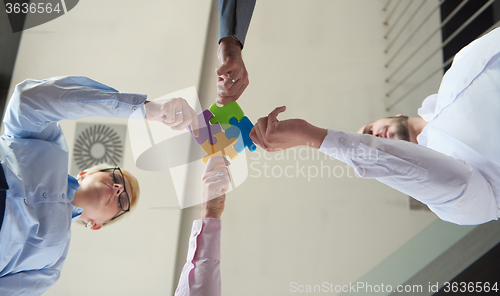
(235,132)
(241,130)
(222,147)
(224,113)
(206,130)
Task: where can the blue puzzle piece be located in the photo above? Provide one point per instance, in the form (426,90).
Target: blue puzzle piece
(206,131)
(234,132)
(241,130)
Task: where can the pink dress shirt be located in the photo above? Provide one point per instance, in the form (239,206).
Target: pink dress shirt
(201,273)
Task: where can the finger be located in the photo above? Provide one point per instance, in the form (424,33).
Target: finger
(168,113)
(254,137)
(213,162)
(272,118)
(217,179)
(231,81)
(213,190)
(220,176)
(230,99)
(216,189)
(221,172)
(225,89)
(260,128)
(187,118)
(226,86)
(195,125)
(227,163)
(178,115)
(228,96)
(225,68)
(178,119)
(264,132)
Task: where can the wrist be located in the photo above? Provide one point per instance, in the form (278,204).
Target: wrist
(229,48)
(231,42)
(314,136)
(211,214)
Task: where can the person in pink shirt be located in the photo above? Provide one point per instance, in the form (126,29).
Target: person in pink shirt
(201,272)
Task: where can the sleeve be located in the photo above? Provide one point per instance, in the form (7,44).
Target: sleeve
(28,283)
(200,275)
(234,18)
(32,282)
(37,105)
(452,188)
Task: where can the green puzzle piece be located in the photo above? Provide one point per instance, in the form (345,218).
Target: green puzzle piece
(224,113)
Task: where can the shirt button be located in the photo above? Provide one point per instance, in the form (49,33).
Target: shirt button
(63,195)
(134,101)
(134,108)
(45,195)
(341,140)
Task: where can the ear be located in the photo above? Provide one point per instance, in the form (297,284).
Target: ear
(96,226)
(81,176)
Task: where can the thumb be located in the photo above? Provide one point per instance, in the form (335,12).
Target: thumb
(273,116)
(194,126)
(223,69)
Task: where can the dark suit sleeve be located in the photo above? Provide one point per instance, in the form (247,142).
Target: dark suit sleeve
(234,18)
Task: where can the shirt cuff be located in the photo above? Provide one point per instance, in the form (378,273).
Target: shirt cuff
(204,242)
(131,105)
(340,145)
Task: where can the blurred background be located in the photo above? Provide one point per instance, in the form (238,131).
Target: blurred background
(300,219)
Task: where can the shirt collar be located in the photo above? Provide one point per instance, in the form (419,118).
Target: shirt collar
(76,212)
(73,186)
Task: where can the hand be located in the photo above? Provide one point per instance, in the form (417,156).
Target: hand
(215,183)
(231,67)
(175,113)
(273,135)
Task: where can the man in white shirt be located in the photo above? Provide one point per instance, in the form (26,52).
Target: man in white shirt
(449,159)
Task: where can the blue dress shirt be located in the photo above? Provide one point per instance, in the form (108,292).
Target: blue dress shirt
(35,235)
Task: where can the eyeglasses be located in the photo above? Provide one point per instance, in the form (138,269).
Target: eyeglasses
(123,199)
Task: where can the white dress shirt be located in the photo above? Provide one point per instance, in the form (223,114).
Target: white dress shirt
(455,169)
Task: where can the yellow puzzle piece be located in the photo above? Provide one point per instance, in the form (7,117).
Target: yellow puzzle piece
(223,146)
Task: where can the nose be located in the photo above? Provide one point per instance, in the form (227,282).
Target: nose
(118,189)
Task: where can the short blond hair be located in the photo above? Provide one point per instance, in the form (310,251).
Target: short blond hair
(134,185)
